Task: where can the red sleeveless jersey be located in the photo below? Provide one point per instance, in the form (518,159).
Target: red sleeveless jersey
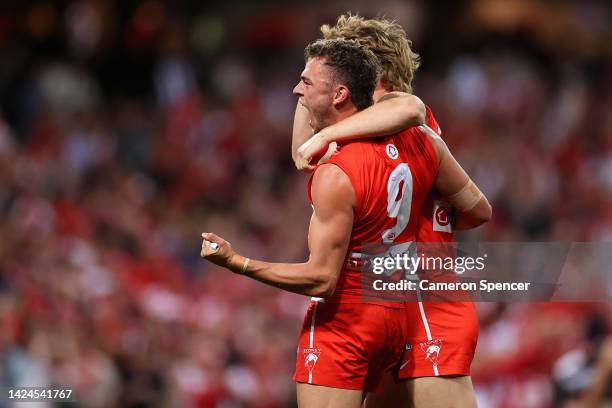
(392,177)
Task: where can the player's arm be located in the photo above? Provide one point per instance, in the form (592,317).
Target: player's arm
(393,112)
(328,238)
(595,395)
(301,131)
(471,206)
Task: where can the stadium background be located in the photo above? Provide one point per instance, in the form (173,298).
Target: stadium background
(129,127)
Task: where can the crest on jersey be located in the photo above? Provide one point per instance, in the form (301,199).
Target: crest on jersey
(431,349)
(392,151)
(311,355)
(441,217)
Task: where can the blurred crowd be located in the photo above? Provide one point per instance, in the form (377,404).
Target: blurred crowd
(126,130)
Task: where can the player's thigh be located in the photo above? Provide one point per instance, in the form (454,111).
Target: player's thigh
(395,396)
(316,396)
(441,392)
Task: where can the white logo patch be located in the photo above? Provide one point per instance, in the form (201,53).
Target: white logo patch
(392,151)
(311,355)
(431,349)
(441,217)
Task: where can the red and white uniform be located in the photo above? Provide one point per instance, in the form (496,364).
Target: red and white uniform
(442,335)
(348,342)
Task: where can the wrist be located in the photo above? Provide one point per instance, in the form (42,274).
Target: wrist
(237,263)
(325,136)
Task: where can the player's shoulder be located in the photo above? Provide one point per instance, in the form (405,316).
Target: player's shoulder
(330,183)
(431,121)
(430,127)
(356,151)
(357,145)
(328,173)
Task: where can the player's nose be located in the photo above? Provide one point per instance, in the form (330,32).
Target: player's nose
(298,90)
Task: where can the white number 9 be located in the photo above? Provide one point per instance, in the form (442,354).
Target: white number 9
(399,209)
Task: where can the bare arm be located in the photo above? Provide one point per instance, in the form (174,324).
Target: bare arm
(301,131)
(465,220)
(393,112)
(328,238)
(595,395)
(471,206)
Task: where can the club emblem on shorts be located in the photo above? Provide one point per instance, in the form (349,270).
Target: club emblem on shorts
(311,355)
(431,349)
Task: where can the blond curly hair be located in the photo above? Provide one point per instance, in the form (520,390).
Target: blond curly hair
(387,40)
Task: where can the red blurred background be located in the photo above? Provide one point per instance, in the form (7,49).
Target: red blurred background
(129,127)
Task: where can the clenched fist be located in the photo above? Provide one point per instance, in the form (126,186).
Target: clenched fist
(220,252)
(216,249)
(315,150)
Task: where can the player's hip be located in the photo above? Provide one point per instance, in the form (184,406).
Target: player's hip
(349,345)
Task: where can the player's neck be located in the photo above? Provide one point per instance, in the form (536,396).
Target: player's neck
(379,92)
(343,112)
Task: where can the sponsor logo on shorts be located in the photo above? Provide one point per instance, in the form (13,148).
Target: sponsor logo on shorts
(431,349)
(311,355)
(408,347)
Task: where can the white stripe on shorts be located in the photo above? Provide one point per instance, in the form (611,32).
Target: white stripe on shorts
(312,326)
(426,324)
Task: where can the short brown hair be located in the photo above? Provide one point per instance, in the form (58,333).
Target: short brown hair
(387,40)
(353,65)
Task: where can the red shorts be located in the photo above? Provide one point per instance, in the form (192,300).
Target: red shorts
(441,341)
(350,345)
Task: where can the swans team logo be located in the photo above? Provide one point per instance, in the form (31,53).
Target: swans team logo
(431,349)
(392,151)
(311,355)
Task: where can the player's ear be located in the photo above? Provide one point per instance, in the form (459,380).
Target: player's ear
(341,95)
